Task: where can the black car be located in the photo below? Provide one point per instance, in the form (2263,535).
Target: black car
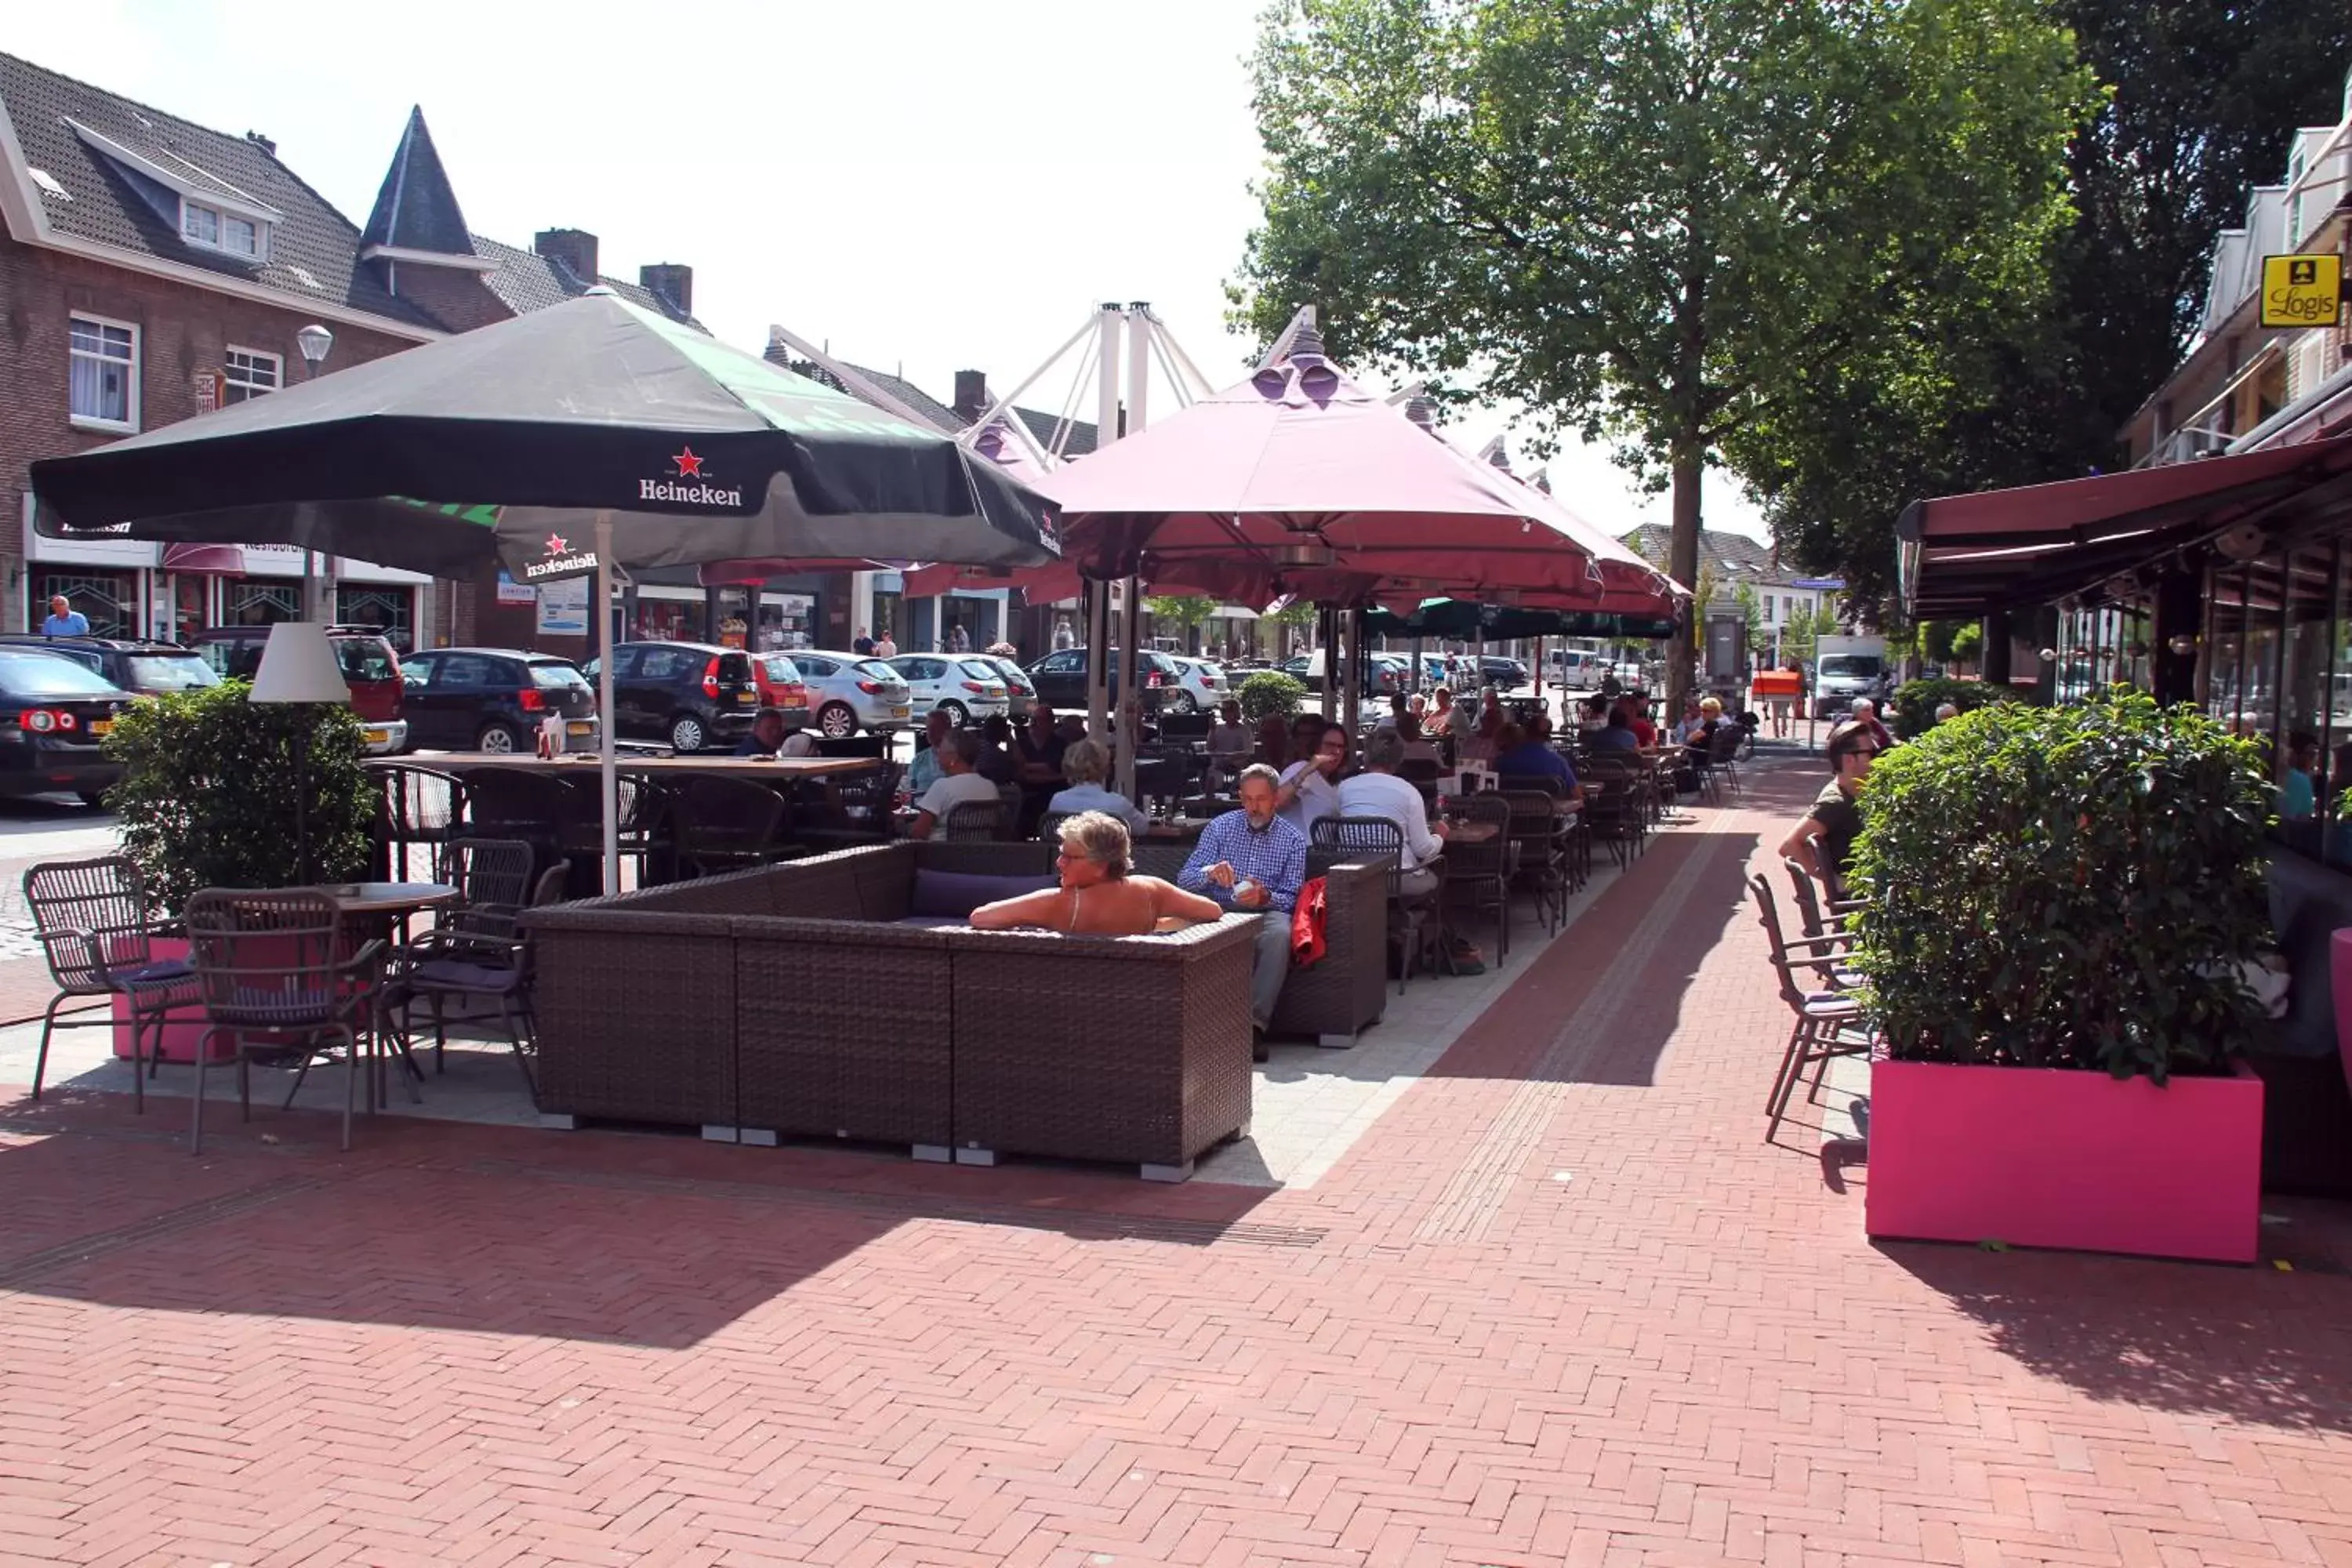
(1494,669)
(493,700)
(148,668)
(1060,679)
(696,697)
(55,714)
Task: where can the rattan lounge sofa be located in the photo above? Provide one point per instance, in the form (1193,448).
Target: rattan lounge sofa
(790,999)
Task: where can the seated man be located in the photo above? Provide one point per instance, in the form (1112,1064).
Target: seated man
(993,758)
(1084,764)
(1822,840)
(768,737)
(1254,862)
(957,785)
(924,771)
(1378,792)
(1528,753)
(1617,735)
(1099,895)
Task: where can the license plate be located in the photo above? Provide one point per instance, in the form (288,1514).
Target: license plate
(747,697)
(580,727)
(372,737)
(900,712)
(101,726)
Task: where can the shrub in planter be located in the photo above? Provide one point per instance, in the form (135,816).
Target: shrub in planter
(1271,691)
(1916,702)
(2070,887)
(208,794)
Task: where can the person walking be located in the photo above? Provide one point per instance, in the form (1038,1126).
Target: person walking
(884,648)
(64,620)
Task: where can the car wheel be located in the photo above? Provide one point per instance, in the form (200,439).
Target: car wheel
(957,714)
(500,739)
(687,733)
(1181,703)
(93,798)
(836,721)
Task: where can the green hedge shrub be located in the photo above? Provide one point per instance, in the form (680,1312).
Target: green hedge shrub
(1271,691)
(2065,887)
(1916,702)
(206,797)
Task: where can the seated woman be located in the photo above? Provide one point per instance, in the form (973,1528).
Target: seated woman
(1097,897)
(1085,766)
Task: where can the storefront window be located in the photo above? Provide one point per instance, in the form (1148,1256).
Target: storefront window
(668,620)
(889,613)
(387,607)
(260,602)
(108,600)
(2306,730)
(190,612)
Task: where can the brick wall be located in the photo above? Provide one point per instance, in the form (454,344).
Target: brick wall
(182,332)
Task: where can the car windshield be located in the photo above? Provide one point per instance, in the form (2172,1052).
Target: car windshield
(875,669)
(1850,664)
(782,670)
(51,674)
(365,658)
(556,676)
(170,671)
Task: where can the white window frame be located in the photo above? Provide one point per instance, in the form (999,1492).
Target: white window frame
(276,369)
(221,216)
(92,421)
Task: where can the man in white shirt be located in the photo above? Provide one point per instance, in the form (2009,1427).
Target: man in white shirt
(885,646)
(1378,792)
(957,785)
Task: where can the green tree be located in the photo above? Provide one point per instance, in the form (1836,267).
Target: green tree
(2199,99)
(1657,220)
(1968,643)
(1185,610)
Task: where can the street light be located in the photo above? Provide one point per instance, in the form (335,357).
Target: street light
(316,343)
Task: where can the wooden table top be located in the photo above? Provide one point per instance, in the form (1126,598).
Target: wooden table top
(389,897)
(585,762)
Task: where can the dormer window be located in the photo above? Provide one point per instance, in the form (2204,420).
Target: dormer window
(218,231)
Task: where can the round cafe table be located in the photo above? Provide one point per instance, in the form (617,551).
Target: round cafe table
(390,899)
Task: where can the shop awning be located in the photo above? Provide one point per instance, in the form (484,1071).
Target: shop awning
(215,560)
(1962,556)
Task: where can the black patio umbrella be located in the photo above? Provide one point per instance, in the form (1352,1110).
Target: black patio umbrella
(579,439)
(516,441)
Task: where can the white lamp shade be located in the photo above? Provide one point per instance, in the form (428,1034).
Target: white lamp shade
(298,664)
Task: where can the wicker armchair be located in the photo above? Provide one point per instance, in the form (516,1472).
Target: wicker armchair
(98,937)
(724,824)
(1413,920)
(1827,1023)
(1479,875)
(477,954)
(415,805)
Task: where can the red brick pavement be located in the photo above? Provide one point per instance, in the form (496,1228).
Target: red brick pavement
(1561,1306)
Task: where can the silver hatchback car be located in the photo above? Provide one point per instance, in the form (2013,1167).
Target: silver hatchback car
(852,691)
(964,686)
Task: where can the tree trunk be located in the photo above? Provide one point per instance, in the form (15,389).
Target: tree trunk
(1689,470)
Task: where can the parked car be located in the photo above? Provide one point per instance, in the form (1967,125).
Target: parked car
(370,666)
(694,697)
(1060,679)
(854,691)
(55,715)
(782,687)
(494,699)
(1020,697)
(1494,669)
(1201,686)
(1385,674)
(146,668)
(962,686)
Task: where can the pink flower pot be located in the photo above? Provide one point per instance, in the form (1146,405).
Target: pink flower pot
(184,1027)
(2339,974)
(2043,1157)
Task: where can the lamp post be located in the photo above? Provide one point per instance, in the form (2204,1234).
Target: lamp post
(315,343)
(299,666)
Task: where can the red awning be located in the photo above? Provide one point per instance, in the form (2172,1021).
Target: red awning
(1968,556)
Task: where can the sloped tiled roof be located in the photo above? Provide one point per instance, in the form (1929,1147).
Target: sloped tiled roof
(1736,557)
(1080,442)
(415,209)
(527,282)
(313,251)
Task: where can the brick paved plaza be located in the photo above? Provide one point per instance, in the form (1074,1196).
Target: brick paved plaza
(1557,1304)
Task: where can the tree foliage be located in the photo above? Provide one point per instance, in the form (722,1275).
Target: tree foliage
(1661,222)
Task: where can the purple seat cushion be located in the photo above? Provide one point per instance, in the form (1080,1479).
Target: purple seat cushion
(955,894)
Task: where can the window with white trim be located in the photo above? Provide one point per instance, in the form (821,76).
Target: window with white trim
(103,378)
(247,373)
(217,230)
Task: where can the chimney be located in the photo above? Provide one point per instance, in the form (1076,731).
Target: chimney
(670,283)
(264,143)
(971,394)
(575,249)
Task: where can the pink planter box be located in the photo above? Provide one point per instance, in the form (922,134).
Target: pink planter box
(2041,1157)
(2339,974)
(184,1027)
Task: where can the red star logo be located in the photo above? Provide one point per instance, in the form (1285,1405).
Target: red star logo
(690,467)
(558,545)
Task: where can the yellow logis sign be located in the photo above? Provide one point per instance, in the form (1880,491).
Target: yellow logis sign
(2302,290)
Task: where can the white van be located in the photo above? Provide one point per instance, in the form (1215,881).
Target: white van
(1577,670)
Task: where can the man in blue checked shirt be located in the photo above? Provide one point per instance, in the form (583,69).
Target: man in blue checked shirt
(1253,861)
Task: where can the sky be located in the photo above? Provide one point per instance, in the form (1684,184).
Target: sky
(917,186)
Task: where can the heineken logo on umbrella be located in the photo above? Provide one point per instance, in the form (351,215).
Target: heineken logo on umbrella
(560,560)
(670,488)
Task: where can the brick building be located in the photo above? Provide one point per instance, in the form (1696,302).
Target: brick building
(152,269)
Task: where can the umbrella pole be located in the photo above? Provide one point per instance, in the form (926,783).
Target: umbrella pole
(1129,729)
(608,787)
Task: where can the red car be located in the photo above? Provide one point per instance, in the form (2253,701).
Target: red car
(781,685)
(370,668)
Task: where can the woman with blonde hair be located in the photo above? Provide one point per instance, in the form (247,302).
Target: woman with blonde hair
(1099,894)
